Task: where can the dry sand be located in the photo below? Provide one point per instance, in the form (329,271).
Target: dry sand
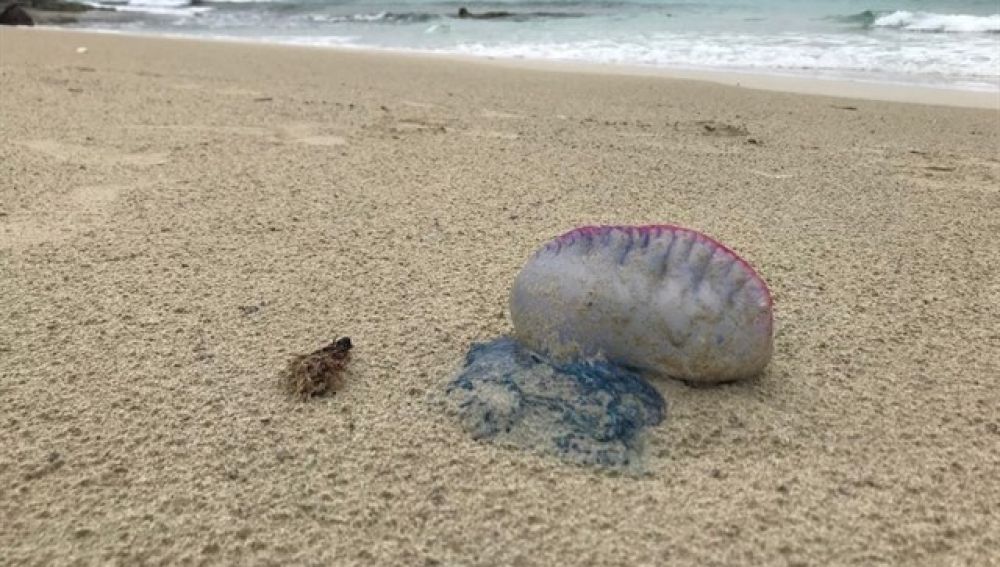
(178,218)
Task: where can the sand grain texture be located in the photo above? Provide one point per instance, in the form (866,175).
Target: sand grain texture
(178,218)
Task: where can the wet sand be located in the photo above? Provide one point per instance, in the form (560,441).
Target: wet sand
(179,218)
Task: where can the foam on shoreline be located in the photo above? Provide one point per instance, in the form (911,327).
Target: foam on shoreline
(837,87)
(933,48)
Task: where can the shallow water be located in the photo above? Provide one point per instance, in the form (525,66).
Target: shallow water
(942,43)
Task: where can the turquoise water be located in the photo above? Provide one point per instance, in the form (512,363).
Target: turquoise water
(953,44)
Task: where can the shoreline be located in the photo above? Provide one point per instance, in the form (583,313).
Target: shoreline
(821,86)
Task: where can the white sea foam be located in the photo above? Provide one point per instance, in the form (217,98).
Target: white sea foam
(438,28)
(784,53)
(180,8)
(767,36)
(930,22)
(367,17)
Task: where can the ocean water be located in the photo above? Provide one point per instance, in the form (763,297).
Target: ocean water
(946,43)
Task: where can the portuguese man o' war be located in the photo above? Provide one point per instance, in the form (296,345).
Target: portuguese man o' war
(594,311)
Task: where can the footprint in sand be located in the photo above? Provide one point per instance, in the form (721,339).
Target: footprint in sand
(416,122)
(416,125)
(948,167)
(487,113)
(720,129)
(94,199)
(16,231)
(493,134)
(973,174)
(206,129)
(415,104)
(770,175)
(233,91)
(91,155)
(82,208)
(306,134)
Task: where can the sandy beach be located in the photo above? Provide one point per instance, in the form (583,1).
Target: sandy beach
(178,218)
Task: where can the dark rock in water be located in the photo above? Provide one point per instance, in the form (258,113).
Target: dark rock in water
(56,6)
(464,13)
(15,15)
(585,412)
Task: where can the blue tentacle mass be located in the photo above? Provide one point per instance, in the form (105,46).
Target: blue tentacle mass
(587,412)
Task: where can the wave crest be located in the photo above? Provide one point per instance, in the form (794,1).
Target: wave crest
(378,17)
(931,22)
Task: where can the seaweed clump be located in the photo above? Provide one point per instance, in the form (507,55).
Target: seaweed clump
(319,372)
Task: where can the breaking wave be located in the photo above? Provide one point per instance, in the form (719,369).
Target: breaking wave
(930,22)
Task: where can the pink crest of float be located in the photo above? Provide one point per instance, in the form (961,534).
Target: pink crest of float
(656,229)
